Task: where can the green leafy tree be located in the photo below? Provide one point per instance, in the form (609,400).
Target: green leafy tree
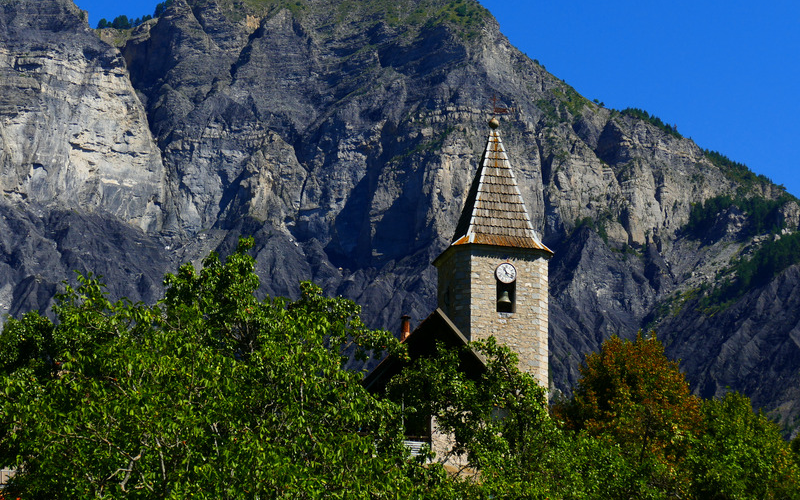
(121,23)
(490,417)
(741,454)
(161,7)
(212,393)
(501,427)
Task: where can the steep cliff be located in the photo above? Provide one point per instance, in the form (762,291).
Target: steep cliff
(343,135)
(72,131)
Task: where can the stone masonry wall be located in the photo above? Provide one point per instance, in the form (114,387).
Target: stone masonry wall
(442,445)
(454,292)
(468,295)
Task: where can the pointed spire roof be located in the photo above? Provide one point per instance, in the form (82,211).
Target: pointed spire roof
(494,213)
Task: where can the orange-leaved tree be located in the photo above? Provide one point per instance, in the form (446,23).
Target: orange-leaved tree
(632,394)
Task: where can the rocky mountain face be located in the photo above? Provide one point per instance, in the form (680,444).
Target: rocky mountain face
(343,136)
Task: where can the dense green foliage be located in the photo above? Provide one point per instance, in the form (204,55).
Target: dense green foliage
(770,259)
(746,273)
(653,120)
(632,430)
(674,444)
(501,427)
(210,394)
(740,454)
(763,215)
(737,172)
(213,393)
(161,7)
(122,22)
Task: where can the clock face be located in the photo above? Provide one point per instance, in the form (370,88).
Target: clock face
(506,272)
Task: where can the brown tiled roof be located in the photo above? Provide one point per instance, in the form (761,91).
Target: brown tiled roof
(494,213)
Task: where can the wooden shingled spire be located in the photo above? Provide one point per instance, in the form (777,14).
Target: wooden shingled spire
(494,213)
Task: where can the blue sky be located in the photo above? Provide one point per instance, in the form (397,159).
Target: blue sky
(726,72)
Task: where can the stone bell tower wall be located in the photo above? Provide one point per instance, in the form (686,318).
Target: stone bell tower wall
(467,293)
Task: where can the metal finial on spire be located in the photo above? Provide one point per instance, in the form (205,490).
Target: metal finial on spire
(498,110)
(494,123)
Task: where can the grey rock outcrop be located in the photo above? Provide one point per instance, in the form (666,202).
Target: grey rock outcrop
(72,131)
(755,340)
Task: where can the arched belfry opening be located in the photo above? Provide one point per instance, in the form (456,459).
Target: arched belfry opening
(506,297)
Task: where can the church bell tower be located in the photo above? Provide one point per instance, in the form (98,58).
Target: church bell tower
(493,276)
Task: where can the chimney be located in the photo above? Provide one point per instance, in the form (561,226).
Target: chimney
(405,327)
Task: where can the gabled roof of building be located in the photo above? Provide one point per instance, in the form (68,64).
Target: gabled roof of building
(494,213)
(422,342)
